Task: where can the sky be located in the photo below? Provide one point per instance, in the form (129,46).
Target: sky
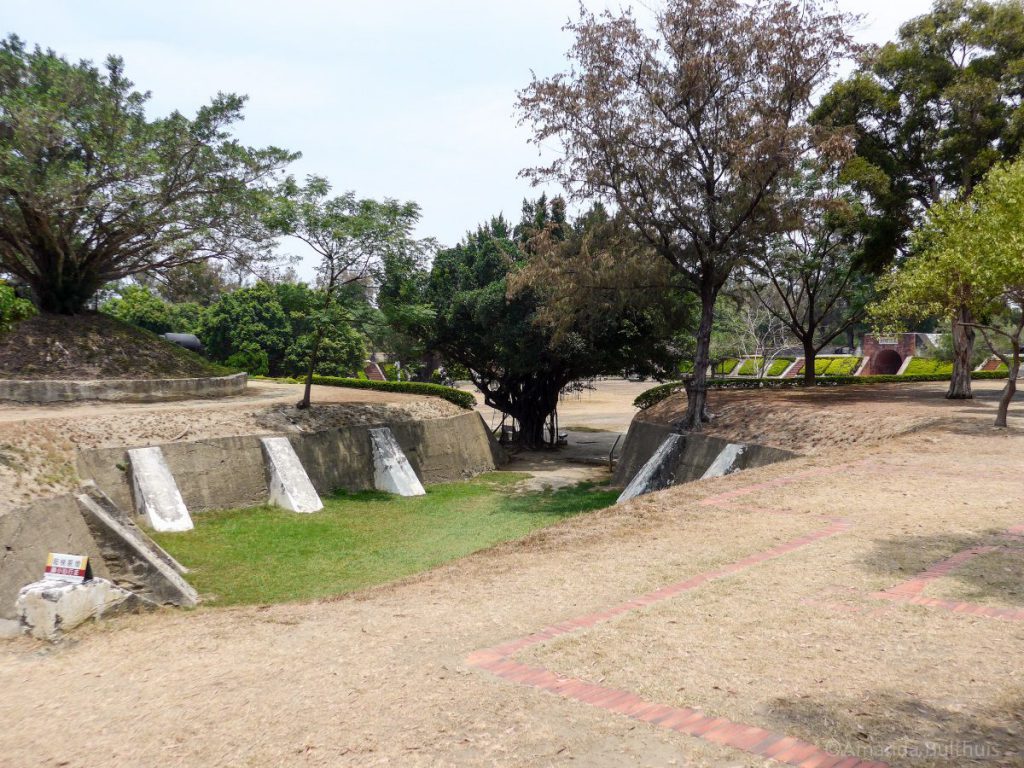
(409,99)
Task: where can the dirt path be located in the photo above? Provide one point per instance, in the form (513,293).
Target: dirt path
(757,633)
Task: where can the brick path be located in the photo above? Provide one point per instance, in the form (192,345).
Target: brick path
(499,660)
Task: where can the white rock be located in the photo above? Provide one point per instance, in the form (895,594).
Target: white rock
(392,471)
(49,609)
(290,487)
(157,498)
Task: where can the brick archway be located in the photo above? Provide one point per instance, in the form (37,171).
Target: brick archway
(887,362)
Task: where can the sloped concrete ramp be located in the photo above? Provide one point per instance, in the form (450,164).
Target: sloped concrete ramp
(657,472)
(156,495)
(725,462)
(392,471)
(290,487)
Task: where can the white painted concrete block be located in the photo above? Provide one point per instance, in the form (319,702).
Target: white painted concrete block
(392,471)
(652,475)
(290,487)
(49,609)
(157,497)
(725,461)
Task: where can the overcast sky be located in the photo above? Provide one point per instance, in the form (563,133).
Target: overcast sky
(411,99)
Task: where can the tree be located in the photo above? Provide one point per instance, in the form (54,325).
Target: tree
(137,305)
(498,332)
(249,329)
(91,191)
(970,255)
(351,238)
(931,113)
(687,131)
(811,276)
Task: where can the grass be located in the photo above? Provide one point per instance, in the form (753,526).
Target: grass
(925,365)
(264,554)
(777,367)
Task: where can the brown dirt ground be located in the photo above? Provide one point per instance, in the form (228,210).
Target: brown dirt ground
(38,443)
(93,346)
(796,644)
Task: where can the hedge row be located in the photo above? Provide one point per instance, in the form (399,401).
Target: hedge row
(923,366)
(778,366)
(452,395)
(655,395)
(835,366)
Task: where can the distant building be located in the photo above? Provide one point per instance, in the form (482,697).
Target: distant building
(885,355)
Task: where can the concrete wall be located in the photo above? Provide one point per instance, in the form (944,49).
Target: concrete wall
(29,533)
(229,472)
(697,454)
(121,390)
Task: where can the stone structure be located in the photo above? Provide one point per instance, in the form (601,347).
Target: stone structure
(288,482)
(157,498)
(657,472)
(49,609)
(391,469)
(725,462)
(692,460)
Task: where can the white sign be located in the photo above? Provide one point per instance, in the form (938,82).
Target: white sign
(73,569)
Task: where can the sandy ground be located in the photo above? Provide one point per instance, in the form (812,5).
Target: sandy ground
(798,644)
(37,443)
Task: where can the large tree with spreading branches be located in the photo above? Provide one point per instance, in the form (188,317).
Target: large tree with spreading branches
(686,129)
(92,190)
(931,112)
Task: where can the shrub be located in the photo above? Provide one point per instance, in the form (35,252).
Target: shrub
(12,309)
(777,367)
(835,366)
(923,366)
(725,367)
(452,395)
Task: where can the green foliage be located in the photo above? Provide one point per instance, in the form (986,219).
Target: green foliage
(89,181)
(363,538)
(251,358)
(777,368)
(139,306)
(925,366)
(931,112)
(246,320)
(342,352)
(835,366)
(725,367)
(452,395)
(12,309)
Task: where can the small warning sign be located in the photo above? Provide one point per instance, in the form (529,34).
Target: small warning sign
(73,569)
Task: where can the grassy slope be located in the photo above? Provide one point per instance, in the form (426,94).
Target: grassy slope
(268,555)
(95,346)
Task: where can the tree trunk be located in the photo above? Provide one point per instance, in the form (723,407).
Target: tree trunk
(1009,390)
(963,351)
(64,295)
(697,385)
(810,355)
(313,359)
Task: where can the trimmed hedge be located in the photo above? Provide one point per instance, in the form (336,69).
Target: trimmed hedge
(655,395)
(751,364)
(452,395)
(835,366)
(923,366)
(725,367)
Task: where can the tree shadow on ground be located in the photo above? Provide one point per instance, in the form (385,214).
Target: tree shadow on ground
(903,729)
(988,577)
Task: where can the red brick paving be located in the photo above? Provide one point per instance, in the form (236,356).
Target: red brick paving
(718,730)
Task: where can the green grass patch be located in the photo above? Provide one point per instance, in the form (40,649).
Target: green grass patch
(266,555)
